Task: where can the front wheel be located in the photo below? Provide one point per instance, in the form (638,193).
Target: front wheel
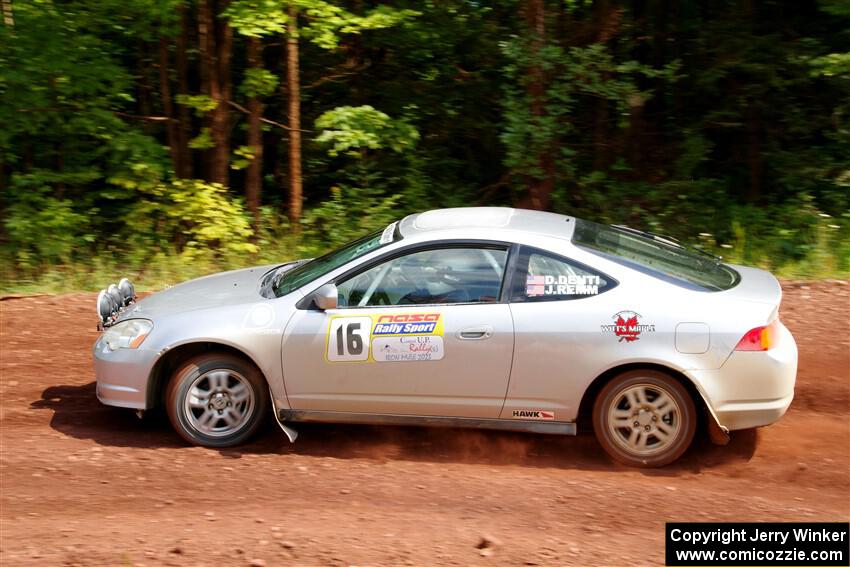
(217,400)
(644,418)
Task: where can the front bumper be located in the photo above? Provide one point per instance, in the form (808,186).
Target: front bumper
(752,389)
(122,375)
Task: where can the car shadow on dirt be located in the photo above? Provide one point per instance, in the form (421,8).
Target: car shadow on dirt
(77,413)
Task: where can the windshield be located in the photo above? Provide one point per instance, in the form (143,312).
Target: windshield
(309,271)
(656,256)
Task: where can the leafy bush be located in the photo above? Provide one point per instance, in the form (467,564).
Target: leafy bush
(192,216)
(45,229)
(335,221)
(353,130)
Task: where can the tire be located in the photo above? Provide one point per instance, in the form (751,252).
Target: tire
(217,400)
(644,418)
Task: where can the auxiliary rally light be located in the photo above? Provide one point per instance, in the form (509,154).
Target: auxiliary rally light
(112,300)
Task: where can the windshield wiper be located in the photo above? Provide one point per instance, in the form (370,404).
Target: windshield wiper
(669,240)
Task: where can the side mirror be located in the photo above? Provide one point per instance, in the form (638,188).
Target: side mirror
(326,297)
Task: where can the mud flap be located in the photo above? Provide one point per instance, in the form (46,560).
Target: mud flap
(718,434)
(291,434)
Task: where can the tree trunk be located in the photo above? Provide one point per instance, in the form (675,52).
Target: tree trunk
(254,174)
(221,129)
(183,114)
(207,66)
(294,119)
(754,123)
(601,143)
(539,188)
(167,107)
(216,43)
(8,18)
(204,18)
(145,88)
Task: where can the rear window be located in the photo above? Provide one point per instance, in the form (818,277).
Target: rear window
(656,256)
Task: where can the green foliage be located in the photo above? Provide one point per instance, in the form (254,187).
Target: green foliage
(728,127)
(794,241)
(258,82)
(571,75)
(201,103)
(134,160)
(257,18)
(352,130)
(326,21)
(203,141)
(832,65)
(836,7)
(192,215)
(45,229)
(243,155)
(332,223)
(329,21)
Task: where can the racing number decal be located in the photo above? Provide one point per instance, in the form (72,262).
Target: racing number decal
(349,339)
(354,342)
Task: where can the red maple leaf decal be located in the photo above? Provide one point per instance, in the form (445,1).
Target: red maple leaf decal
(627,329)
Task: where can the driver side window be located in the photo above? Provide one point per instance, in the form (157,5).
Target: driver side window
(443,275)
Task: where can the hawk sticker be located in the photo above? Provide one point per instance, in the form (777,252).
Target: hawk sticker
(538,415)
(627,326)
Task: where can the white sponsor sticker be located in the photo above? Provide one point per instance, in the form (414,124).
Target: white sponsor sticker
(539,415)
(562,285)
(407,348)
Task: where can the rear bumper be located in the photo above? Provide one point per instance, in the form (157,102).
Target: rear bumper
(122,375)
(752,389)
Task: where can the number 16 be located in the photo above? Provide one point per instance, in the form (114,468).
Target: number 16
(347,338)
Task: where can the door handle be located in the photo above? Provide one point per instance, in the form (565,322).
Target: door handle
(475,333)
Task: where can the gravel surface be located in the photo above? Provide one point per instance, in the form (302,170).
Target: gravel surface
(84,484)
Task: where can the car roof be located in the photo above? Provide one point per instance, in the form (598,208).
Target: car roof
(488,218)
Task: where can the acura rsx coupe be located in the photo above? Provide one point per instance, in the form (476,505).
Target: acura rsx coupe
(473,317)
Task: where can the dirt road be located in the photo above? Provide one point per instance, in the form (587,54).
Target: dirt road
(83,484)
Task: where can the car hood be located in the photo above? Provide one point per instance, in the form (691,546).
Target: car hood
(217,290)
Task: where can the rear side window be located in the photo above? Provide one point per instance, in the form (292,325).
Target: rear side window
(655,256)
(542,276)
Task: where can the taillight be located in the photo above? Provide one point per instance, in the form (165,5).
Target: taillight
(760,338)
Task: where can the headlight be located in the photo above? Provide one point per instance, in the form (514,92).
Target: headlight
(127,334)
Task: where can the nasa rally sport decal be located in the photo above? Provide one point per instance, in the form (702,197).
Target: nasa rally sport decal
(401,337)
(533,414)
(627,326)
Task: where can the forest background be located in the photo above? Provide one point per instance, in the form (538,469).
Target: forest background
(166,139)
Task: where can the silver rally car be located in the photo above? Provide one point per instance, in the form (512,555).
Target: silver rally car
(472,317)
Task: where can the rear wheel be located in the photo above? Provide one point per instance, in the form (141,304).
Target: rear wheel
(217,400)
(644,418)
